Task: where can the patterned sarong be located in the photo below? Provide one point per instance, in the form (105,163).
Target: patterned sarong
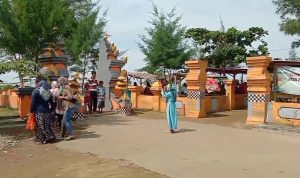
(44,131)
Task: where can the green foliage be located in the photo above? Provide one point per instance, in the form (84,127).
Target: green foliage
(289,11)
(86,34)
(27,25)
(164,45)
(87,31)
(6,87)
(293,55)
(228,47)
(24,67)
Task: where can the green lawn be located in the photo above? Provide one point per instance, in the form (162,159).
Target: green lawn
(8,112)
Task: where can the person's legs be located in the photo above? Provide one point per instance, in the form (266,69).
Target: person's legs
(59,120)
(67,121)
(91,102)
(99,106)
(102,105)
(95,100)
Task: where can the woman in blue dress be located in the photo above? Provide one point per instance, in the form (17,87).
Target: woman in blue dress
(171,95)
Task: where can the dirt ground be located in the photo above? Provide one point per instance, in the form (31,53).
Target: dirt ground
(29,160)
(110,145)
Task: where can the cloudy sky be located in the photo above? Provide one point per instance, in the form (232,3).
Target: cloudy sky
(128,18)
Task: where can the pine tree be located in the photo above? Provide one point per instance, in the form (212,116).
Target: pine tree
(86,34)
(293,55)
(289,11)
(26,26)
(164,45)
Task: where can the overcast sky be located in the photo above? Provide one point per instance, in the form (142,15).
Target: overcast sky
(128,18)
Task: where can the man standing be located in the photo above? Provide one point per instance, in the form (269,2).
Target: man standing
(93,92)
(101,96)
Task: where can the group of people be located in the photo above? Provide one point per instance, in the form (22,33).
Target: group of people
(94,94)
(51,105)
(54,104)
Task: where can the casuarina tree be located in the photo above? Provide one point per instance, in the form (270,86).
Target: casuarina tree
(26,26)
(164,45)
(289,11)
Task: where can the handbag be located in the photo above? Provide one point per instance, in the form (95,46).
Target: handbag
(31,122)
(73,100)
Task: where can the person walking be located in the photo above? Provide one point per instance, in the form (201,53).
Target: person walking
(170,94)
(42,105)
(71,98)
(60,105)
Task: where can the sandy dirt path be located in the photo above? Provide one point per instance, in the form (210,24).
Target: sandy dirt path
(198,150)
(28,160)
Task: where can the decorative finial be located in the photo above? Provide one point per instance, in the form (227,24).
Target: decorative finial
(106,35)
(113,47)
(126,59)
(124,73)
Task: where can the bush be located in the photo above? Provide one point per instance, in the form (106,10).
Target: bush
(6,87)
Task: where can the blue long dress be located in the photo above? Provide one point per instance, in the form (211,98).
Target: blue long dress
(171,97)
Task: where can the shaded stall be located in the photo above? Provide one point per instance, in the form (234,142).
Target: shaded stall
(282,73)
(141,77)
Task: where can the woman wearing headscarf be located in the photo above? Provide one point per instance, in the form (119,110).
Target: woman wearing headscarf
(171,95)
(42,105)
(60,105)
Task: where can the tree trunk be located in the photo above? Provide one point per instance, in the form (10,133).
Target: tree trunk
(83,74)
(21,80)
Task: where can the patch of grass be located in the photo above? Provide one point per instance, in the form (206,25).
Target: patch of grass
(8,112)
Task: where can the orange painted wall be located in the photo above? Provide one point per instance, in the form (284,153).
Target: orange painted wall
(182,111)
(145,102)
(163,105)
(222,103)
(58,65)
(13,100)
(275,113)
(240,101)
(4,99)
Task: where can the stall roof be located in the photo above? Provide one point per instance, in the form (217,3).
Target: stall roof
(142,75)
(284,63)
(228,70)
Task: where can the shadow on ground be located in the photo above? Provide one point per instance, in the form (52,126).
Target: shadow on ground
(183,130)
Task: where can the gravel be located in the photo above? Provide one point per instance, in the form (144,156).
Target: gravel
(279,129)
(6,142)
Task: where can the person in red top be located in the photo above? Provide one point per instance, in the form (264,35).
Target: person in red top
(92,87)
(87,97)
